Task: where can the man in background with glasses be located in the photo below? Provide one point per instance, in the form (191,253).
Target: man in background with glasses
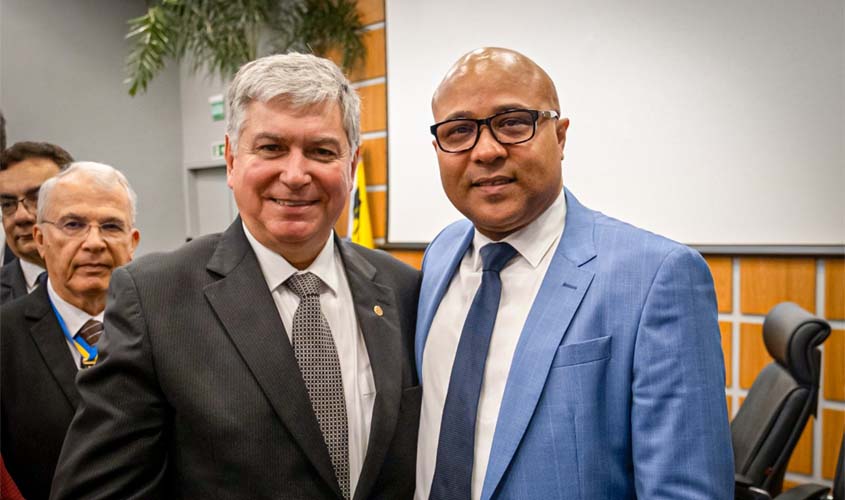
(563,353)
(23,168)
(85,229)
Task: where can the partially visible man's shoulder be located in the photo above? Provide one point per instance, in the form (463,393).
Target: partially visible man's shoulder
(173,265)
(630,242)
(385,262)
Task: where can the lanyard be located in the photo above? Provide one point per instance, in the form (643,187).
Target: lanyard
(88,352)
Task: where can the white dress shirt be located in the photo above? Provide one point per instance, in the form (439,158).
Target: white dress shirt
(31,272)
(521,280)
(73,317)
(336,302)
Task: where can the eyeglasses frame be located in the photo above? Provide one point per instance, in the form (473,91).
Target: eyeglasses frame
(535,114)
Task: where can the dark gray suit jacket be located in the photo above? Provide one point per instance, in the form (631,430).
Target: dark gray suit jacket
(12,282)
(37,391)
(197,393)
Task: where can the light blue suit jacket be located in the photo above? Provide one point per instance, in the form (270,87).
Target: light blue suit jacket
(616,390)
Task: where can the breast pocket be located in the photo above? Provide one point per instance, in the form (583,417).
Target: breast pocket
(582,352)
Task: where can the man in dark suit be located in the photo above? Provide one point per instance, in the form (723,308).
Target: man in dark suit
(23,168)
(85,229)
(221,375)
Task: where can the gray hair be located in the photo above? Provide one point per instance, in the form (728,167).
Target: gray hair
(104,175)
(302,79)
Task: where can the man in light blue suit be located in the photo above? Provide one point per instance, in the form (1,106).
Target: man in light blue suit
(563,353)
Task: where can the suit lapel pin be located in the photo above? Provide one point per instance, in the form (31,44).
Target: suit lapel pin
(378,310)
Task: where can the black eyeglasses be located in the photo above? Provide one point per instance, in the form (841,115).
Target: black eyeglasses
(10,205)
(514,126)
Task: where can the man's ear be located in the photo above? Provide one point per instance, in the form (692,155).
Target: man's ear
(38,236)
(561,126)
(136,238)
(229,155)
(356,158)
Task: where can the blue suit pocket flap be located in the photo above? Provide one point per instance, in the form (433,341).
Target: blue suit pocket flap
(582,352)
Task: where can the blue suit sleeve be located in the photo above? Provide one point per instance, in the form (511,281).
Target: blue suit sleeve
(681,440)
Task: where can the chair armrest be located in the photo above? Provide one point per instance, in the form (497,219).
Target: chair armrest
(805,492)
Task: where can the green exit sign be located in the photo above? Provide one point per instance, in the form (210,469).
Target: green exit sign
(218,150)
(217,110)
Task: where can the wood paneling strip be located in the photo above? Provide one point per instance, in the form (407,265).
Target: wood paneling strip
(727,349)
(801,460)
(373,107)
(833,366)
(373,65)
(370,11)
(833,425)
(767,281)
(834,286)
(722,270)
(341,227)
(374,156)
(378,213)
(411,257)
(753,356)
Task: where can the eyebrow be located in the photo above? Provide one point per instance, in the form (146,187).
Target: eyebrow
(25,193)
(498,109)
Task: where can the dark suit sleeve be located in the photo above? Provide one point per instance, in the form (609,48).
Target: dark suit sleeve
(116,447)
(680,433)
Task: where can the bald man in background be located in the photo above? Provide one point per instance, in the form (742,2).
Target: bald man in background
(589,363)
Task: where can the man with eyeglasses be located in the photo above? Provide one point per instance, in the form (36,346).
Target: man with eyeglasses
(562,353)
(84,230)
(23,168)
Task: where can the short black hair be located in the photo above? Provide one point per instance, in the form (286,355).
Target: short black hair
(25,150)
(2,132)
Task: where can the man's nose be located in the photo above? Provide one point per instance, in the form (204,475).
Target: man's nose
(22,215)
(94,238)
(295,172)
(487,149)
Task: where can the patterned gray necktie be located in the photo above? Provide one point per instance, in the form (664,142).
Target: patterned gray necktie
(319,364)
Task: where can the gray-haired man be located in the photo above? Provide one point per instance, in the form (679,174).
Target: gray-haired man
(272,360)
(84,230)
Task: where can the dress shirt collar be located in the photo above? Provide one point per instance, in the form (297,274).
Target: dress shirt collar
(73,316)
(534,240)
(30,273)
(277,270)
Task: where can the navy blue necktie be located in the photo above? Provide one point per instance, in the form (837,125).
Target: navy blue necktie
(453,472)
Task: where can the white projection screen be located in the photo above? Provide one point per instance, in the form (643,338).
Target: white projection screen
(711,122)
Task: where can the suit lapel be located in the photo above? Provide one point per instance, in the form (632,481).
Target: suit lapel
(558,299)
(258,334)
(50,341)
(12,281)
(437,275)
(383,338)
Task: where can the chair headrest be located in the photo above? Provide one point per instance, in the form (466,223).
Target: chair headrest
(792,335)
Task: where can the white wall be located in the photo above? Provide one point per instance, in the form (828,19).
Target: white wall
(61,81)
(719,122)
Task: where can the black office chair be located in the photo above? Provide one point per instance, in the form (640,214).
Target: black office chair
(816,491)
(780,401)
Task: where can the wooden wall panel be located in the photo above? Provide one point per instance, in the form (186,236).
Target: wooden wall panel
(373,65)
(374,156)
(411,257)
(833,425)
(722,270)
(730,403)
(727,349)
(802,457)
(370,11)
(753,355)
(373,107)
(341,227)
(833,366)
(834,286)
(378,212)
(767,281)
